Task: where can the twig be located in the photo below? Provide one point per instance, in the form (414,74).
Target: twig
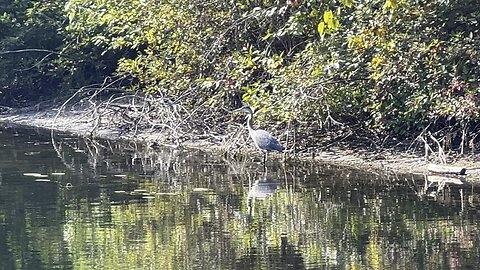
(29,50)
(441,153)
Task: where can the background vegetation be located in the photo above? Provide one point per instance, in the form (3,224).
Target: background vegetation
(368,68)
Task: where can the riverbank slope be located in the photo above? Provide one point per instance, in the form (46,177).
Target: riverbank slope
(84,123)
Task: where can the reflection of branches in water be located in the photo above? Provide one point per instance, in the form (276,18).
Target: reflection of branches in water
(439,188)
(60,153)
(120,157)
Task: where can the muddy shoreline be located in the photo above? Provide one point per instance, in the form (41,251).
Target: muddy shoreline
(385,161)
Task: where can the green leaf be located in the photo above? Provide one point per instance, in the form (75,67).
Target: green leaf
(347,3)
(321,28)
(390,4)
(328,16)
(267,36)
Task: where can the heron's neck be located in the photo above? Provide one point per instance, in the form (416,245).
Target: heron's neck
(249,122)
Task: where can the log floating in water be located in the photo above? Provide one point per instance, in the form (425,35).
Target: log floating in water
(446,169)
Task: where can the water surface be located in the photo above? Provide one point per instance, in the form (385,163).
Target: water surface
(75,203)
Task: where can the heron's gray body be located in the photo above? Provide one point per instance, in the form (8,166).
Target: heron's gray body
(262,139)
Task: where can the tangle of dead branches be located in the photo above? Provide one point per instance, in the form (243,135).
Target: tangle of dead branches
(107,105)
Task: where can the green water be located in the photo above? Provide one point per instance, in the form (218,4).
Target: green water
(86,204)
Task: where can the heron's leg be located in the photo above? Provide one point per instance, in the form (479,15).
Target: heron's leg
(264,164)
(264,161)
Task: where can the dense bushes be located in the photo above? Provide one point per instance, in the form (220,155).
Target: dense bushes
(24,72)
(38,58)
(386,66)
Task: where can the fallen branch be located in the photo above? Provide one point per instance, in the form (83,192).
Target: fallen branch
(446,169)
(444,180)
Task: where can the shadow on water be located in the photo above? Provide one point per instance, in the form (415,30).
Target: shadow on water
(94,204)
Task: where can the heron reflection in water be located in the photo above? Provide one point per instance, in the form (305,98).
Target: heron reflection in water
(260,190)
(262,139)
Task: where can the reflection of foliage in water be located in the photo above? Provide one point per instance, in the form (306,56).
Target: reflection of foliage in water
(200,215)
(156,234)
(334,220)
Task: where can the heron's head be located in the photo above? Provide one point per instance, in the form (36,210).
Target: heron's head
(244,108)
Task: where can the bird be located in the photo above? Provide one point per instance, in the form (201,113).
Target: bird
(262,139)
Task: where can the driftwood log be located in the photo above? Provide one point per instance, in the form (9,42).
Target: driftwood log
(444,180)
(446,169)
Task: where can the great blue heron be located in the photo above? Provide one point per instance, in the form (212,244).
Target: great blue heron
(262,139)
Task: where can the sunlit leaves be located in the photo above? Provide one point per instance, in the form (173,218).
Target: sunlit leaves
(376,62)
(347,3)
(174,36)
(356,43)
(390,4)
(321,28)
(331,21)
(329,24)
(267,36)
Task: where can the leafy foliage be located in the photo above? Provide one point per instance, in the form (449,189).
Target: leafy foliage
(28,25)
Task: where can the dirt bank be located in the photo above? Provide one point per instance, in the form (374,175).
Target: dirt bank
(84,123)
